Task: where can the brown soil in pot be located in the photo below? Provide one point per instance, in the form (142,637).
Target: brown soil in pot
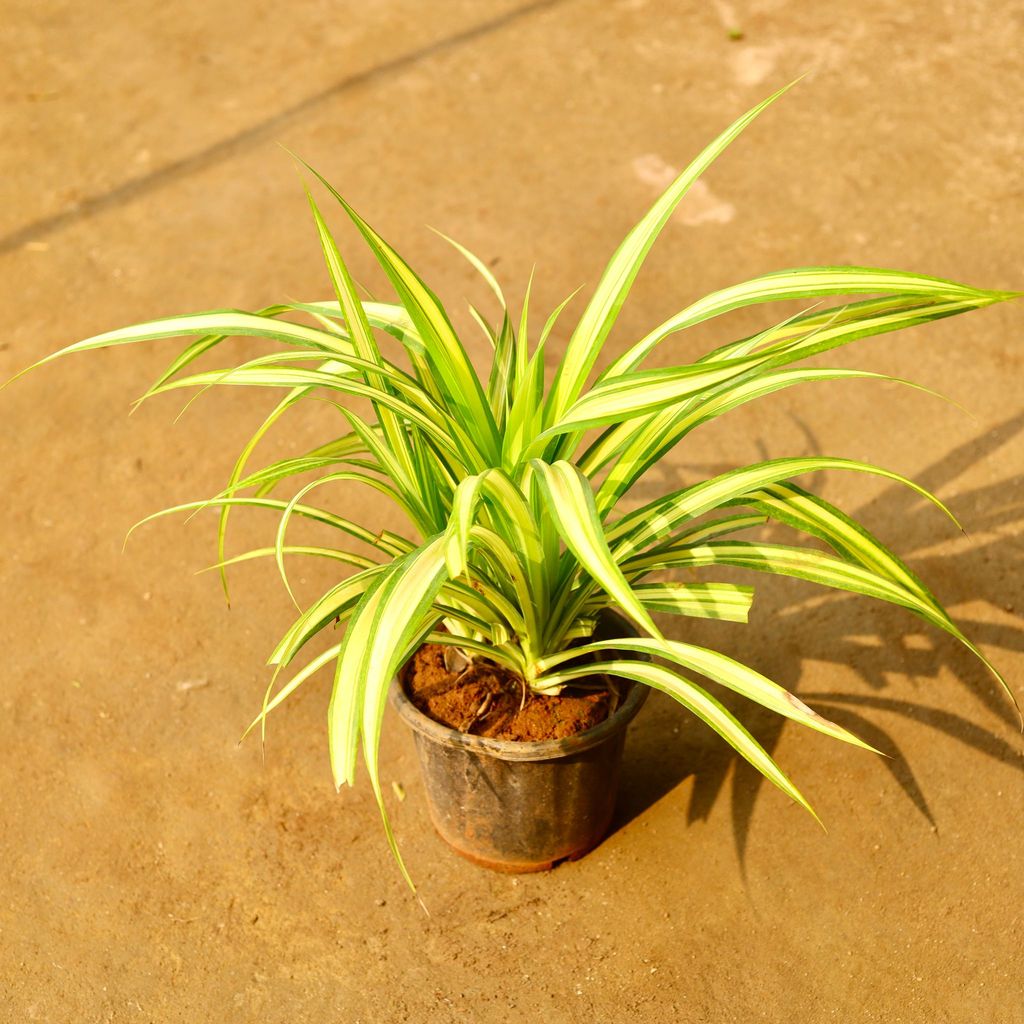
(487,700)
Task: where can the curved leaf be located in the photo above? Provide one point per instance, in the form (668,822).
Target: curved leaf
(728,672)
(726,601)
(603,309)
(805,283)
(698,702)
(570,503)
(815,567)
(659,518)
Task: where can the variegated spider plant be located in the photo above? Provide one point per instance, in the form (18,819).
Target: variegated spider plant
(512,486)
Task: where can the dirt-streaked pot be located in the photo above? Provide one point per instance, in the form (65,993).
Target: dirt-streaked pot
(515,806)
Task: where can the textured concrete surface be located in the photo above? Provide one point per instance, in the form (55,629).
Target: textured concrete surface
(154,871)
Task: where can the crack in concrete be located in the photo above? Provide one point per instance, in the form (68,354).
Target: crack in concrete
(257,133)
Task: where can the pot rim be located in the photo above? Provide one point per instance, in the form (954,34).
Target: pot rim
(525,750)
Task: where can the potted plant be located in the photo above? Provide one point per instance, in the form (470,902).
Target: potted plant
(504,610)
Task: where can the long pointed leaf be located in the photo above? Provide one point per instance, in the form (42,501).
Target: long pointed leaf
(603,308)
(570,503)
(815,567)
(804,283)
(700,703)
(728,672)
(659,518)
(445,351)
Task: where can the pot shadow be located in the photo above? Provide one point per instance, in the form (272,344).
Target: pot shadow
(667,745)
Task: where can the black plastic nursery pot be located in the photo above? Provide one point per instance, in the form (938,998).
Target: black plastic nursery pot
(518,807)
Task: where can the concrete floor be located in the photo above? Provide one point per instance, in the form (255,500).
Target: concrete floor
(153,870)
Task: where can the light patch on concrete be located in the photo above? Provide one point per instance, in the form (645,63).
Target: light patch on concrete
(699,206)
(918,642)
(653,171)
(781,60)
(751,65)
(702,206)
(726,14)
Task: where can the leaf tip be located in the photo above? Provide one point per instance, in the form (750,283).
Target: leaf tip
(21,373)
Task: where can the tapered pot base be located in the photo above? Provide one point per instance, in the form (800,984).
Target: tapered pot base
(517,868)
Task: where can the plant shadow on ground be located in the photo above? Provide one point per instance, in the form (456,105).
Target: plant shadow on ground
(878,640)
